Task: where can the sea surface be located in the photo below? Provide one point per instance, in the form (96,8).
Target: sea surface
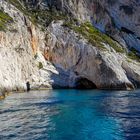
(71,115)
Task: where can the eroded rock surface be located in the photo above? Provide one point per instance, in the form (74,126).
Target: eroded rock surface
(82,60)
(118,18)
(59,57)
(18,47)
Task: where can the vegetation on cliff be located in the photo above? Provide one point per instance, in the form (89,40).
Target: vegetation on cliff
(89,32)
(37,16)
(94,36)
(5,19)
(133,54)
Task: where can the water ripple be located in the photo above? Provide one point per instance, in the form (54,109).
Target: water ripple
(71,115)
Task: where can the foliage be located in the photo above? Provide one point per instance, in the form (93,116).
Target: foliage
(4,20)
(94,36)
(36,56)
(45,17)
(133,55)
(37,16)
(40,65)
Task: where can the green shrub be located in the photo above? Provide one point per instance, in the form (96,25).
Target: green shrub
(40,65)
(5,19)
(37,16)
(36,56)
(18,5)
(132,54)
(94,36)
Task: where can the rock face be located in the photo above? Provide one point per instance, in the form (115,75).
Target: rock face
(18,47)
(84,61)
(132,71)
(119,19)
(59,57)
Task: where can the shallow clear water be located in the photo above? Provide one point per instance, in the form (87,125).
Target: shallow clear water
(71,115)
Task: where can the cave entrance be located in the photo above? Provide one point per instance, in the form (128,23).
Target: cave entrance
(84,83)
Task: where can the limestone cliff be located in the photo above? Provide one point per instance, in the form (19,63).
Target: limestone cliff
(117,18)
(53,44)
(19,44)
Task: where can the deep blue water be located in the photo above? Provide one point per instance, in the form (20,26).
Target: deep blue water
(71,115)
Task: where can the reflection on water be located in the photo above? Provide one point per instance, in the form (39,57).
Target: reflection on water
(71,115)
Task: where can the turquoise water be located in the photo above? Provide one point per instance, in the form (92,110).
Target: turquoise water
(71,115)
